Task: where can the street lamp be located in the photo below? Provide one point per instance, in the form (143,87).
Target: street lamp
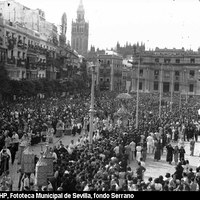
(160,98)
(137,100)
(186,89)
(91,111)
(171,100)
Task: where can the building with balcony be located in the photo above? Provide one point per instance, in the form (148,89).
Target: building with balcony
(16,50)
(109,75)
(30,42)
(2,43)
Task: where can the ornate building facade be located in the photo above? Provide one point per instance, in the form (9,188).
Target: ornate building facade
(174,71)
(80,32)
(30,42)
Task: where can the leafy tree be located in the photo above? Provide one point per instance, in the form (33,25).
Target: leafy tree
(4,81)
(38,86)
(15,87)
(27,88)
(47,86)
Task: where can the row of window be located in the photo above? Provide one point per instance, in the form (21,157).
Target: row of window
(166,86)
(177,61)
(78,29)
(21,55)
(30,42)
(167,73)
(108,62)
(35,76)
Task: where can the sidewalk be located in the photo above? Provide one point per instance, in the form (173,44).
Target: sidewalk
(155,169)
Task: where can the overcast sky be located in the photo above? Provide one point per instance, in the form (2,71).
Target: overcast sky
(157,23)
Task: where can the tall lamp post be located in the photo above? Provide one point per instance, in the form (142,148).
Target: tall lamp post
(138,82)
(91,111)
(186,85)
(172,87)
(180,95)
(137,99)
(160,98)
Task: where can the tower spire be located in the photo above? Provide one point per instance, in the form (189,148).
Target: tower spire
(80,11)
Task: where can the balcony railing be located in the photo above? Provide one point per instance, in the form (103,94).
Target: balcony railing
(22,45)
(21,63)
(11,60)
(32,48)
(31,66)
(41,65)
(42,50)
(37,49)
(11,42)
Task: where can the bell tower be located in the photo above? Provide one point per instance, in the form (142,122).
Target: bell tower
(80,32)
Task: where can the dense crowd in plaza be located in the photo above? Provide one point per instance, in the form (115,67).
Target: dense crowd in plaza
(104,165)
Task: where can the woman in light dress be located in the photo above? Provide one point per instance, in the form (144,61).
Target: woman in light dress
(138,152)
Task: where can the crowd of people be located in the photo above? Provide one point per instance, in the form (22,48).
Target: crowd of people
(106,164)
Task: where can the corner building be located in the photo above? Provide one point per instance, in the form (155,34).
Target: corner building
(29,40)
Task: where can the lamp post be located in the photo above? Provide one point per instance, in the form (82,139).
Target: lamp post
(185,82)
(137,100)
(160,98)
(171,101)
(91,111)
(180,96)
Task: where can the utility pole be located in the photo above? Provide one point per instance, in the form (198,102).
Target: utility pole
(180,101)
(160,100)
(91,111)
(186,85)
(180,93)
(137,100)
(171,101)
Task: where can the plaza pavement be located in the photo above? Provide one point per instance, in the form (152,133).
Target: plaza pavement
(153,169)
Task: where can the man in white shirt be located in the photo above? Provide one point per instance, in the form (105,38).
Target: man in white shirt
(150,144)
(54,155)
(15,139)
(72,145)
(132,146)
